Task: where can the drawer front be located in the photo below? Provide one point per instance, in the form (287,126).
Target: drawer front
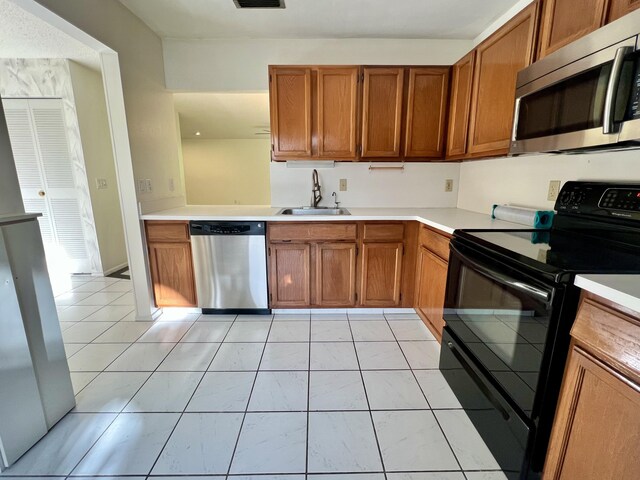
(318,231)
(437,243)
(383,232)
(167,231)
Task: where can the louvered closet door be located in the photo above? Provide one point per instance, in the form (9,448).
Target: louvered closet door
(45,172)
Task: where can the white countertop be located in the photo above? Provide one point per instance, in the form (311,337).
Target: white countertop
(444,219)
(621,289)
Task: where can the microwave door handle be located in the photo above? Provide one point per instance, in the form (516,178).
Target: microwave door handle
(516,117)
(608,125)
(504,279)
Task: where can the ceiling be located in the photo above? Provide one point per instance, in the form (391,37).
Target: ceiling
(223,115)
(22,35)
(193,19)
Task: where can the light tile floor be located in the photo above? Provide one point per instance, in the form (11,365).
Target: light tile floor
(353,396)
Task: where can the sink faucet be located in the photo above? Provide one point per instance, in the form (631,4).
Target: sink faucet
(335,200)
(316,191)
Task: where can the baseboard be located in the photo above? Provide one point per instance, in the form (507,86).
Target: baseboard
(111,270)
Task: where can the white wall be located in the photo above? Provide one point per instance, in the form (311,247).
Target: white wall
(91,110)
(149,107)
(419,185)
(525,180)
(10,196)
(227,172)
(219,65)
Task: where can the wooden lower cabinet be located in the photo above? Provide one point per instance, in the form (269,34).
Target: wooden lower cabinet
(381,277)
(596,432)
(432,282)
(335,274)
(431,278)
(171,264)
(290,272)
(341,265)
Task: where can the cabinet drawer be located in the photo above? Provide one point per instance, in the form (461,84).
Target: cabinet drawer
(158,231)
(437,243)
(383,232)
(284,232)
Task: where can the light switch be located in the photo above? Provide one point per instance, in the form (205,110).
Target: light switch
(343,184)
(149,186)
(101,183)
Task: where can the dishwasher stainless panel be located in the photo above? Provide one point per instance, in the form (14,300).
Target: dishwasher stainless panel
(230,265)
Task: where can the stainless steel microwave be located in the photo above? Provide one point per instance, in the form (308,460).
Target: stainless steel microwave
(584,96)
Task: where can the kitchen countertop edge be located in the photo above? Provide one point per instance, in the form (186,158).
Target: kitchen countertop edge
(621,289)
(444,219)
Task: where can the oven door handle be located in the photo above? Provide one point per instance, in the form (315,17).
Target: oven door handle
(478,381)
(543,295)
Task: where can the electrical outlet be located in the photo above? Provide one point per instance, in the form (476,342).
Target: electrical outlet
(142,185)
(101,183)
(343,184)
(448,185)
(149,186)
(554,190)
(172,185)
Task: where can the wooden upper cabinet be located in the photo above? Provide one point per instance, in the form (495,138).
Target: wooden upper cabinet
(335,275)
(337,112)
(289,271)
(498,60)
(382,112)
(290,97)
(381,274)
(427,98)
(459,106)
(564,21)
(619,8)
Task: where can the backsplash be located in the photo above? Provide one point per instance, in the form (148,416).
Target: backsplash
(525,180)
(418,185)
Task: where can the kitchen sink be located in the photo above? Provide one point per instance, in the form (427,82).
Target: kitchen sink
(314,211)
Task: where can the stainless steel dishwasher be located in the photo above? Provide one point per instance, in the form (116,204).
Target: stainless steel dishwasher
(230,264)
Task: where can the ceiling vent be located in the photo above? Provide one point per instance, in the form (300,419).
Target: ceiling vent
(259,3)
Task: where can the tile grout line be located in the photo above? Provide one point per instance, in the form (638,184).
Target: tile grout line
(366,395)
(117,415)
(425,397)
(306,451)
(186,405)
(255,378)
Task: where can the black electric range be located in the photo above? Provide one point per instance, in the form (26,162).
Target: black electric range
(509,307)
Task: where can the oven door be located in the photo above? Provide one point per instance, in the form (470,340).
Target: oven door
(505,320)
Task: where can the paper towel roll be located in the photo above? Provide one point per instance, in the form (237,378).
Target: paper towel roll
(525,216)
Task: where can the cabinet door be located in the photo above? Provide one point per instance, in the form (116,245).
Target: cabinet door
(459,106)
(564,21)
(619,8)
(595,431)
(432,282)
(171,268)
(335,274)
(337,112)
(427,99)
(382,112)
(498,60)
(289,274)
(381,274)
(290,99)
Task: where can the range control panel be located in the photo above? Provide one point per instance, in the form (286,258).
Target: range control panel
(601,199)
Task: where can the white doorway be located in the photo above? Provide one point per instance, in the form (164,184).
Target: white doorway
(38,136)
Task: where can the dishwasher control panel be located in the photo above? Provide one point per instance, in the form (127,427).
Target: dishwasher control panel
(227,228)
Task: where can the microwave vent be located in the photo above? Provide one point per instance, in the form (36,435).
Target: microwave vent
(259,3)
